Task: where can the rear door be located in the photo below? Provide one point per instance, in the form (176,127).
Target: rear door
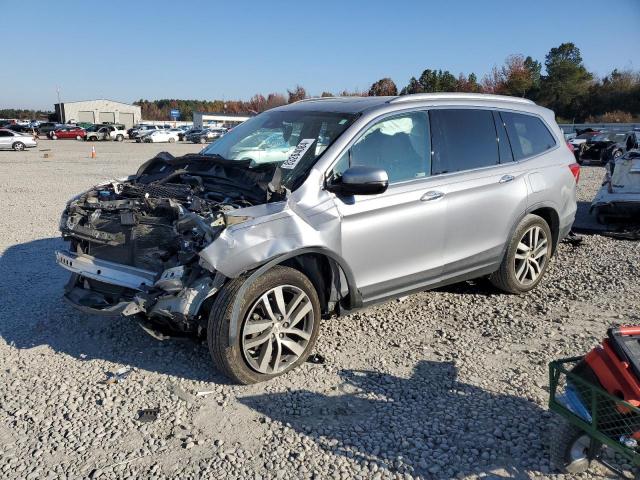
(485,190)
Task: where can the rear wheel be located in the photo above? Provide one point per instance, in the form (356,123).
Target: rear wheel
(203,140)
(119,138)
(54,137)
(78,137)
(280,315)
(527,257)
(172,140)
(18,146)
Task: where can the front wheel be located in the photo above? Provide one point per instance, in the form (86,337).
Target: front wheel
(279,324)
(172,140)
(119,138)
(18,146)
(527,257)
(78,137)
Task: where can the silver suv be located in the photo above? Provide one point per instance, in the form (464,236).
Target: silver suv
(320,208)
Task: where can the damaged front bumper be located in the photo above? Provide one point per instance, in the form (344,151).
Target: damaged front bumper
(129,291)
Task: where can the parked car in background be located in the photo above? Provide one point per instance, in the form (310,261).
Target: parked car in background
(351,202)
(18,141)
(70,131)
(22,128)
(607,146)
(580,140)
(207,135)
(161,136)
(142,129)
(106,132)
(47,127)
(188,132)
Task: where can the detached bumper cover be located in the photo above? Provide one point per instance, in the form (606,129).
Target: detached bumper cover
(107,272)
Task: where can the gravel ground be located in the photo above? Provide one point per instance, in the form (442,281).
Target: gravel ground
(442,384)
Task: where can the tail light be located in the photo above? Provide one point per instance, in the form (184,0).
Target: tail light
(575,171)
(572,149)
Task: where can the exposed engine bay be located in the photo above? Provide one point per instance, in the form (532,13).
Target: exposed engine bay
(134,243)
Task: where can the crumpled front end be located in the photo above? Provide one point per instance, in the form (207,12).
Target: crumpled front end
(134,244)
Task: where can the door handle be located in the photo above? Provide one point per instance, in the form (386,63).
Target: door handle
(507,178)
(432,195)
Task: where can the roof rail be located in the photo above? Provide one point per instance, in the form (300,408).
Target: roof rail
(415,97)
(337,97)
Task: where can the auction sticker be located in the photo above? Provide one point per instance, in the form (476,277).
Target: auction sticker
(297,154)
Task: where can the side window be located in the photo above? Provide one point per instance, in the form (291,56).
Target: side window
(462,139)
(399,145)
(5,134)
(528,135)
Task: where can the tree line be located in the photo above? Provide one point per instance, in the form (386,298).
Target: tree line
(566,87)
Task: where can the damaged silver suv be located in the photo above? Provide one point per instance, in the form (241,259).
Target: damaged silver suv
(319,208)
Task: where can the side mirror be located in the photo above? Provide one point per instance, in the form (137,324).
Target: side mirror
(360,180)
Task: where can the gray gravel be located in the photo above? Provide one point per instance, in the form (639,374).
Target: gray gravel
(448,383)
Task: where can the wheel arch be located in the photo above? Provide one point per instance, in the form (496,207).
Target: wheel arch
(314,262)
(549,215)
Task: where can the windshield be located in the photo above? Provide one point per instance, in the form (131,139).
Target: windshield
(293,140)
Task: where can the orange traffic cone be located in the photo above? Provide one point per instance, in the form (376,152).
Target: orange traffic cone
(93,152)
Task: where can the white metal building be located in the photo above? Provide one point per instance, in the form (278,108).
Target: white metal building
(99,111)
(217,119)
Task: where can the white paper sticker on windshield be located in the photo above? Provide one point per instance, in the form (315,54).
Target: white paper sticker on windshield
(297,154)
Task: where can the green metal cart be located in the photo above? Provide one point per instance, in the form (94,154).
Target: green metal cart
(595,419)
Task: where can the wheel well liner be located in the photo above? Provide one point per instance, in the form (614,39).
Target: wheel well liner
(550,216)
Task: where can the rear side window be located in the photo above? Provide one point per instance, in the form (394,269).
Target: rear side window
(528,134)
(462,139)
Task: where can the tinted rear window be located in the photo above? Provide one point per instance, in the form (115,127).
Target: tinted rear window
(462,140)
(528,134)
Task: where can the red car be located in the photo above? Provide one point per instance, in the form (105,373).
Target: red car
(68,132)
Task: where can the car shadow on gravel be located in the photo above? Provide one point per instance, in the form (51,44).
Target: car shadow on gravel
(429,425)
(34,314)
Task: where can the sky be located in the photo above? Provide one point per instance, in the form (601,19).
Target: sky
(128,50)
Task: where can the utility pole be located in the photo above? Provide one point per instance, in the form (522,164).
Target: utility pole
(59,105)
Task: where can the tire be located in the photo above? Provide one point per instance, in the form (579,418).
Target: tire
(521,270)
(172,140)
(54,137)
(18,146)
(78,137)
(569,449)
(241,362)
(203,140)
(119,138)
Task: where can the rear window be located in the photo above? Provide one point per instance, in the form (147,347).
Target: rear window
(462,139)
(528,134)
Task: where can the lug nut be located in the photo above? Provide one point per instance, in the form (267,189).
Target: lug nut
(286,325)
(282,335)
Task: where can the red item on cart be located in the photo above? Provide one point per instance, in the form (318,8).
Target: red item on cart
(616,363)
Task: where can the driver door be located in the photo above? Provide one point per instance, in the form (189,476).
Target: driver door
(393,241)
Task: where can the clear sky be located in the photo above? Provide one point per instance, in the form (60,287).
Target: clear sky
(127,50)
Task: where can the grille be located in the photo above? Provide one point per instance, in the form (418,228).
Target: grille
(167,190)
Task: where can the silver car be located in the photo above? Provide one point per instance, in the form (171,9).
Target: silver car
(359,200)
(18,141)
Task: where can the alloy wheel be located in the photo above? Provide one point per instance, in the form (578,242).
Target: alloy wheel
(277,329)
(531,255)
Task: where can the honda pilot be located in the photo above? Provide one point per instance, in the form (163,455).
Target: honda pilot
(340,203)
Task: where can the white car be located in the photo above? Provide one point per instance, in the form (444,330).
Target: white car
(18,141)
(160,136)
